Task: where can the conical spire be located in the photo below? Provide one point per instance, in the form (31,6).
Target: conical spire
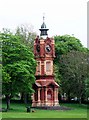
(43,29)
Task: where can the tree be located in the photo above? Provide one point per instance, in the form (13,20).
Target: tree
(63,45)
(0,70)
(74,70)
(87,88)
(18,66)
(66,43)
(87,80)
(26,35)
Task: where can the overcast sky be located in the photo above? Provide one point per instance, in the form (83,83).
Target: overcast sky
(61,16)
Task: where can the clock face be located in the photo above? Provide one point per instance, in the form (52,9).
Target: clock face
(38,48)
(48,48)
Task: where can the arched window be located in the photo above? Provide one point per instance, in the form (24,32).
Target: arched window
(48,66)
(38,69)
(49,94)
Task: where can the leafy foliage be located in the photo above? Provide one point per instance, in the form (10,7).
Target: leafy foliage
(74,70)
(26,35)
(66,43)
(68,66)
(18,65)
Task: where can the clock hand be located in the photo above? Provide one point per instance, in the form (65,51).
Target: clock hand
(48,48)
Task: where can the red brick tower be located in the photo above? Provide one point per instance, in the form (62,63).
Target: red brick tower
(46,89)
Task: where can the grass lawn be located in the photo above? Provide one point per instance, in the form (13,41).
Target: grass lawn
(19,111)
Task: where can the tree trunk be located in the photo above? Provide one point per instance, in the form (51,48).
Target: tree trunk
(82,98)
(79,100)
(22,97)
(25,99)
(8,101)
(69,98)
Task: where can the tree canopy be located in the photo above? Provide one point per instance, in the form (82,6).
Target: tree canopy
(66,43)
(69,69)
(18,65)
(26,35)
(74,70)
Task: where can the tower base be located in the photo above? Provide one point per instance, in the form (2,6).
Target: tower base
(47,103)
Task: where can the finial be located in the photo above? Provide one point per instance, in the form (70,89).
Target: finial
(43,16)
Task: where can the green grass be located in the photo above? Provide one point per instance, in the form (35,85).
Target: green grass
(19,111)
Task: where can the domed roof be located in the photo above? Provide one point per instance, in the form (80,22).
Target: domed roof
(43,25)
(43,29)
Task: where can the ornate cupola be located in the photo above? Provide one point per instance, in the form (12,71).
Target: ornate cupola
(43,29)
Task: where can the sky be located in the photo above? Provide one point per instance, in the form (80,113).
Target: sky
(61,16)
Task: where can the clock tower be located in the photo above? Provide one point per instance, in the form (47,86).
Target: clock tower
(45,87)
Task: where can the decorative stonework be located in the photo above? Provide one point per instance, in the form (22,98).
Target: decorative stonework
(46,89)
